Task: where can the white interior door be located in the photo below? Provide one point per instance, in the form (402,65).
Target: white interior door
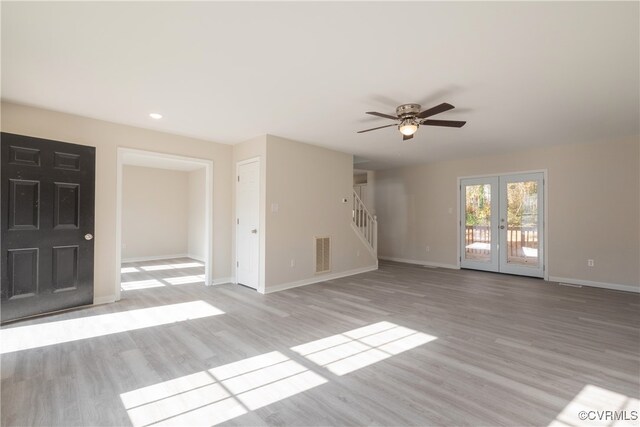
(479,219)
(501,226)
(521,221)
(248,224)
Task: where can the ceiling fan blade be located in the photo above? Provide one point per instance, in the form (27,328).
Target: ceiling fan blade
(435,110)
(380,127)
(447,123)
(405,137)
(386,116)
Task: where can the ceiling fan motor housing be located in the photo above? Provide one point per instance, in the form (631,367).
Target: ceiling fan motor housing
(408,110)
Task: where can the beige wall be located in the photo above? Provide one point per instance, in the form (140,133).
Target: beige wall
(308,206)
(155,212)
(307,183)
(593,209)
(107,137)
(196,224)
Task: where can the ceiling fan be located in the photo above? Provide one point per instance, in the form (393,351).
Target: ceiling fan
(410,118)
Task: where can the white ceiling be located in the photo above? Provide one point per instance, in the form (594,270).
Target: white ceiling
(521,74)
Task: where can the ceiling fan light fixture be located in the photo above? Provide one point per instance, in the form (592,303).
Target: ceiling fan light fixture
(411,117)
(408,127)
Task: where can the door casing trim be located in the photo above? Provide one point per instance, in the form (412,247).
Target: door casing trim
(208,207)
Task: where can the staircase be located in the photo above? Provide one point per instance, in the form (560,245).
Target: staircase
(365,225)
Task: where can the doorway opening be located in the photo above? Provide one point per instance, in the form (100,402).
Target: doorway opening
(163,220)
(503,223)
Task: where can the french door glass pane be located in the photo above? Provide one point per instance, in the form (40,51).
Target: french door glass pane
(478,223)
(522,223)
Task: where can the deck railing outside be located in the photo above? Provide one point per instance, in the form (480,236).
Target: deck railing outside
(518,237)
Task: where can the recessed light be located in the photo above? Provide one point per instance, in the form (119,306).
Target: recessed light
(155,116)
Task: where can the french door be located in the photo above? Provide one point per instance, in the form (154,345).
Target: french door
(502,219)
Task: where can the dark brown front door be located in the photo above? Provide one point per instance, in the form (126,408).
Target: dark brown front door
(47,200)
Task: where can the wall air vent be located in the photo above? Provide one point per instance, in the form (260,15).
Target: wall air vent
(323,254)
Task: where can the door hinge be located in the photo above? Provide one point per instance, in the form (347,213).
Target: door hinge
(238,221)
(237,263)
(238,178)
(460,258)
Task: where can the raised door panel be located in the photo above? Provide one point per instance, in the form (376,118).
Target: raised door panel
(66,161)
(24,156)
(65,268)
(66,205)
(24,201)
(22,269)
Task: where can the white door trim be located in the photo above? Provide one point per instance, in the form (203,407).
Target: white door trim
(545,221)
(261,226)
(208,207)
(244,162)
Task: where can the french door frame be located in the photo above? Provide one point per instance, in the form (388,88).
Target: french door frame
(544,224)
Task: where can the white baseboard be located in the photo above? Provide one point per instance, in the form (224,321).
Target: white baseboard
(155,258)
(222,281)
(418,262)
(195,257)
(104,300)
(613,286)
(318,279)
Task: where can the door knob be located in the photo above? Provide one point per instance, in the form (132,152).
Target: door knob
(254,231)
(502,227)
(88,236)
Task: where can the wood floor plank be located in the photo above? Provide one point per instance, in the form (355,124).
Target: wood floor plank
(470,348)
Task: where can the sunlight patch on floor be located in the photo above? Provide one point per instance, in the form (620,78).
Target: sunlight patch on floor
(161,267)
(124,270)
(182,280)
(220,394)
(597,406)
(140,284)
(43,334)
(356,349)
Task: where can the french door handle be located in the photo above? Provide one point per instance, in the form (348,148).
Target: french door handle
(502,227)
(254,231)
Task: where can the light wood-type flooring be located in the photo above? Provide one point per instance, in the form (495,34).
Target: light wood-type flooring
(403,345)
